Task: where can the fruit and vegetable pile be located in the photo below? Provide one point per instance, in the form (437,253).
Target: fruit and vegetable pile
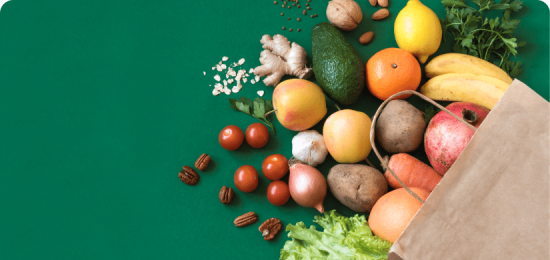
(471,81)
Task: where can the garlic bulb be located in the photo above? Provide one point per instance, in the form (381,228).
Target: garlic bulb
(309,147)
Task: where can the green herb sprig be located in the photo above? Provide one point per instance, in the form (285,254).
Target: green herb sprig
(488,39)
(257,108)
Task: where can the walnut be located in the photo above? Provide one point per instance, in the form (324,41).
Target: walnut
(344,14)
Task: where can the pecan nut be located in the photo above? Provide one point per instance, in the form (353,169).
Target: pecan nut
(270,228)
(226,195)
(188,175)
(246,219)
(202,162)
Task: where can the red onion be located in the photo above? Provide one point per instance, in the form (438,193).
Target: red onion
(308,187)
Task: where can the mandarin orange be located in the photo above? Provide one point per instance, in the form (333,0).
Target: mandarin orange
(390,71)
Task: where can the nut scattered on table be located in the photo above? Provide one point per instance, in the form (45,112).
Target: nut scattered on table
(366,38)
(381,14)
(373,2)
(188,175)
(226,195)
(246,219)
(270,228)
(202,163)
(383,3)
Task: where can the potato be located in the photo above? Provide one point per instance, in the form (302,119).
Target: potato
(400,127)
(357,186)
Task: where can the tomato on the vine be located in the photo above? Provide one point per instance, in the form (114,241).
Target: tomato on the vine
(278,193)
(275,166)
(231,137)
(257,135)
(246,178)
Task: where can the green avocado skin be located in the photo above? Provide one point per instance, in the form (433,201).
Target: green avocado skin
(337,66)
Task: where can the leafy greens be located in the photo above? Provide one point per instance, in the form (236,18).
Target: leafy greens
(342,238)
(479,36)
(257,108)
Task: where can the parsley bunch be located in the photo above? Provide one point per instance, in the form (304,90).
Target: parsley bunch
(488,39)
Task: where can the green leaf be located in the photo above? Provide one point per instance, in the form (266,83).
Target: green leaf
(429,113)
(259,108)
(268,105)
(454,3)
(467,42)
(341,238)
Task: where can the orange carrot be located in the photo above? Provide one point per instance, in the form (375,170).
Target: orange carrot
(413,172)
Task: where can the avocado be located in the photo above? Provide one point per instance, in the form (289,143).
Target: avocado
(337,66)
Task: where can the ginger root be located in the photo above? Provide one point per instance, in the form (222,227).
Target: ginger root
(280,58)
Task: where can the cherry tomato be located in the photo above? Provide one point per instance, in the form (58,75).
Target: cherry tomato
(231,137)
(246,178)
(257,135)
(275,166)
(278,193)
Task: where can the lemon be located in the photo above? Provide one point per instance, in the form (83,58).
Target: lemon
(418,30)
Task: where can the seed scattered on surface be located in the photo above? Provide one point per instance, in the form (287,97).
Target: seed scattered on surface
(315,15)
(294,4)
(284,28)
(312,16)
(308,1)
(299,19)
(299,6)
(289,7)
(282,14)
(284,6)
(299,29)
(288,18)
(308,8)
(284,2)
(275,2)
(304,12)
(307,4)
(290,30)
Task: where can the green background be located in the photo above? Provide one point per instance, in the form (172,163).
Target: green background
(102,103)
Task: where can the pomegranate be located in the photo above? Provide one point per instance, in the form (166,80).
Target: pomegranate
(446,137)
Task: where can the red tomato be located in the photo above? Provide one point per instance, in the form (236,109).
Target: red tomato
(278,193)
(275,166)
(231,137)
(246,178)
(257,135)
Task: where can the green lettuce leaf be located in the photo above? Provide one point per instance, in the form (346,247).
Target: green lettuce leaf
(342,238)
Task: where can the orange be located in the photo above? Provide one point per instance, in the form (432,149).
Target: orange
(392,70)
(391,214)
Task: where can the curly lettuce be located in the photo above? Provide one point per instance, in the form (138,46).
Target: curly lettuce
(342,238)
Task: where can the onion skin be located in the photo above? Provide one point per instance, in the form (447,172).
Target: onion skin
(308,186)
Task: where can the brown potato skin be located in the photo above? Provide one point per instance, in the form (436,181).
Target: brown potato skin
(357,186)
(400,127)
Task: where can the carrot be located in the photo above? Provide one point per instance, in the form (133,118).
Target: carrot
(413,172)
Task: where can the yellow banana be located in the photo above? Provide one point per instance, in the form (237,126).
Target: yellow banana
(462,63)
(465,87)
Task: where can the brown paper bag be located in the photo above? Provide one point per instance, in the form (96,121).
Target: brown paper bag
(494,202)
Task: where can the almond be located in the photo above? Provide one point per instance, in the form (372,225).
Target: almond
(383,3)
(372,2)
(366,38)
(381,14)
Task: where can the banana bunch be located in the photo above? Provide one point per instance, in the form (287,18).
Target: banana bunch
(461,77)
